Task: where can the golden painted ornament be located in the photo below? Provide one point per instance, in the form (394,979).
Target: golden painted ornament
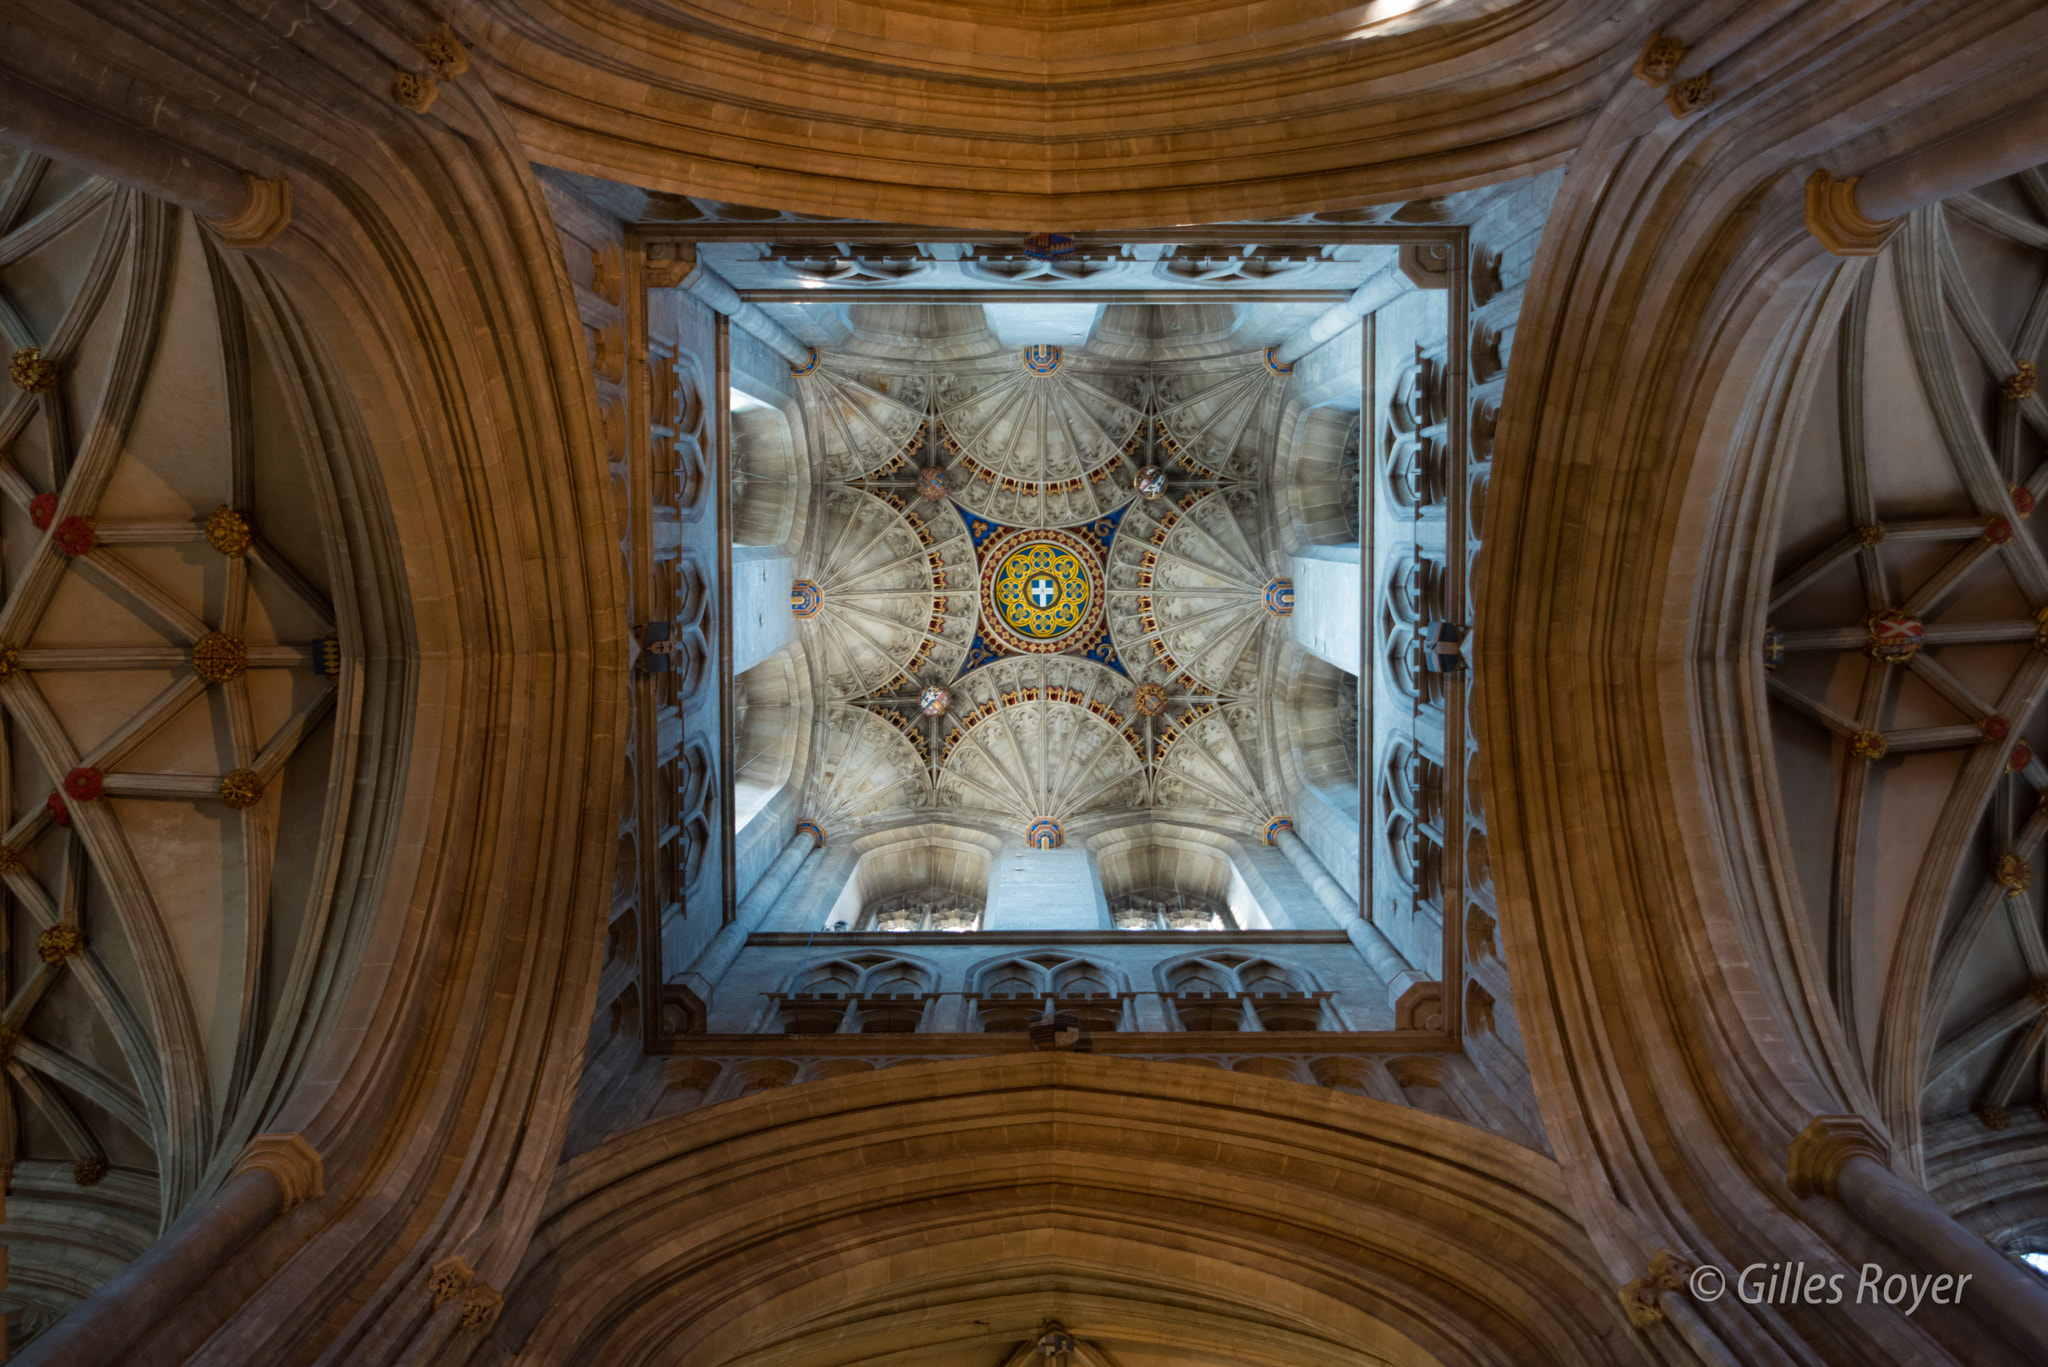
(2013,873)
(87,1172)
(32,372)
(1868,745)
(10,660)
(227,531)
(2021,384)
(1041,591)
(1150,700)
(59,942)
(241,788)
(218,657)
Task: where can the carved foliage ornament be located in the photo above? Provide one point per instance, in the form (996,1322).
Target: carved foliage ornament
(218,657)
(227,531)
(241,788)
(444,54)
(414,90)
(2022,383)
(75,536)
(1639,1298)
(59,942)
(32,372)
(1660,58)
(1688,97)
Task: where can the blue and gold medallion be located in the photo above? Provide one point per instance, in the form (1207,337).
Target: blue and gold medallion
(1041,591)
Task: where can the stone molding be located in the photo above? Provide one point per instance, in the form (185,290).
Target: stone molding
(267,212)
(1820,1152)
(288,1158)
(1832,217)
(1354,1178)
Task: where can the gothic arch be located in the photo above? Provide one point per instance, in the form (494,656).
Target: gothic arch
(1154,1174)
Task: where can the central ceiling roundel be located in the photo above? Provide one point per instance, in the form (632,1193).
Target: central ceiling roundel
(1041,590)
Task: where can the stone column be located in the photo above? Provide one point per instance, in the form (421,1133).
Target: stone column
(1843,1156)
(1857,215)
(1381,288)
(710,289)
(246,211)
(703,974)
(1401,977)
(275,1174)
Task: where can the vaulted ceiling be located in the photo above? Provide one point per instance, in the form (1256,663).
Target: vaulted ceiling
(1906,650)
(173,771)
(1144,684)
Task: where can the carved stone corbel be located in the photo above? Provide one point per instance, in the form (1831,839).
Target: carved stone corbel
(480,1306)
(1640,1298)
(444,54)
(1688,97)
(450,1278)
(668,262)
(1421,1007)
(1660,59)
(263,215)
(1817,1157)
(1832,216)
(415,90)
(288,1158)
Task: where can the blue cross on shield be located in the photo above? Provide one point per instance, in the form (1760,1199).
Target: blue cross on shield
(1044,592)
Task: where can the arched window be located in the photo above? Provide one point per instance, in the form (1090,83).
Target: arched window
(1012,993)
(1168,909)
(1089,991)
(926,908)
(1279,998)
(1213,993)
(875,995)
(817,1001)
(1205,995)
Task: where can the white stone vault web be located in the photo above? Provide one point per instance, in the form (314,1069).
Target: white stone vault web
(1917,636)
(163,665)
